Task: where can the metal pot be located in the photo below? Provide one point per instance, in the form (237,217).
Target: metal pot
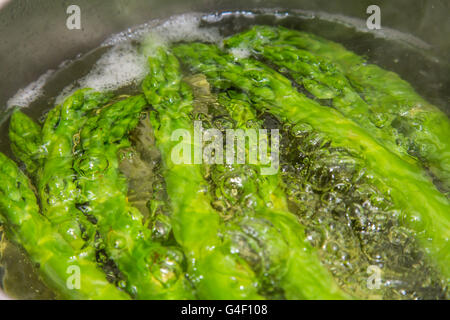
(34,36)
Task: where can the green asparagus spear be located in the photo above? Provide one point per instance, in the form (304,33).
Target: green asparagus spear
(57,189)
(425,209)
(285,256)
(317,180)
(46,247)
(254,209)
(321,78)
(26,141)
(419,127)
(354,225)
(151,271)
(215,271)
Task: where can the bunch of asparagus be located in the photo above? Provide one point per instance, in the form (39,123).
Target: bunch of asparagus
(225,231)
(405,182)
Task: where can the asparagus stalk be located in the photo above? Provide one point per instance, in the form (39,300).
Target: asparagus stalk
(322,79)
(418,126)
(353,224)
(317,183)
(424,208)
(214,270)
(286,256)
(55,181)
(46,247)
(26,141)
(151,271)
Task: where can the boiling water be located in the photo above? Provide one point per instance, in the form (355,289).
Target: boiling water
(118,66)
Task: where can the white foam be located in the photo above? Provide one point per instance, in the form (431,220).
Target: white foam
(184,27)
(123,65)
(25,96)
(120,66)
(240,53)
(187,28)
